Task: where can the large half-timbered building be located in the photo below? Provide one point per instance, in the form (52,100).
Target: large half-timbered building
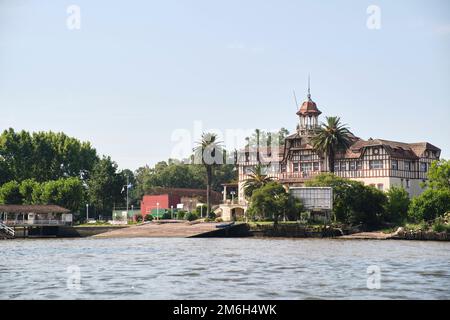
(376,162)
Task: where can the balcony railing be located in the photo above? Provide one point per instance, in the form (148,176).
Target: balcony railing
(234,201)
(302,175)
(36,222)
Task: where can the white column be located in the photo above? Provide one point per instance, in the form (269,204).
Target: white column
(224,194)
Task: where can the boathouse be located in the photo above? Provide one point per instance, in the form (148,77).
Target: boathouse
(43,220)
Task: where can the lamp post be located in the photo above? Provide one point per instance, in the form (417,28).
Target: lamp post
(171,212)
(87,212)
(157,211)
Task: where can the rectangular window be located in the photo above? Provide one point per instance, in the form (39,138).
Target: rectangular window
(376,164)
(359,165)
(343,166)
(407,184)
(423,167)
(283,167)
(407,166)
(295,167)
(306,158)
(337,167)
(316,166)
(394,164)
(352,165)
(306,166)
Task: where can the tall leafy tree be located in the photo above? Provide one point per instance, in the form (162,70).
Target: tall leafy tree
(273,201)
(439,175)
(44,156)
(332,136)
(397,204)
(209,152)
(67,193)
(27,188)
(105,185)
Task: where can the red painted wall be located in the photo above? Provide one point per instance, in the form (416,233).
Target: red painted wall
(165,202)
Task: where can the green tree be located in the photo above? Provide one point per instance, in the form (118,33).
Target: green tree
(332,136)
(431,204)
(5,175)
(354,203)
(209,152)
(272,201)
(10,193)
(397,205)
(67,193)
(256,179)
(439,175)
(44,156)
(27,188)
(105,185)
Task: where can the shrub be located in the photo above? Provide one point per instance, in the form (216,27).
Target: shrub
(138,217)
(439,225)
(190,216)
(148,217)
(166,215)
(397,205)
(181,214)
(431,204)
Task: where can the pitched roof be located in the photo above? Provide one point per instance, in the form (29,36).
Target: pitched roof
(15,208)
(394,148)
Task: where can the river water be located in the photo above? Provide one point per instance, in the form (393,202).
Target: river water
(223,269)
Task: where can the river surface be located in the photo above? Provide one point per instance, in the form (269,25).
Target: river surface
(223,269)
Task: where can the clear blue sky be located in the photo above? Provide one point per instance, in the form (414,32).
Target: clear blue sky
(138,70)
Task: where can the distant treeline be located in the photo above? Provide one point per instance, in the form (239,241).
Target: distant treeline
(53,168)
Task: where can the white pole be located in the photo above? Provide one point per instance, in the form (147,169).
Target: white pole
(87,212)
(157,211)
(127,193)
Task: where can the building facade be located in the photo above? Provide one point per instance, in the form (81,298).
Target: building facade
(376,162)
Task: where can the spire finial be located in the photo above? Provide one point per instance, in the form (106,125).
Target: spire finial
(309,86)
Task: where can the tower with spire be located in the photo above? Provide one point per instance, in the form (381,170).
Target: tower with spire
(308,114)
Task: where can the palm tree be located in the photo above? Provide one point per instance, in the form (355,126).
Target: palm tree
(207,152)
(333,136)
(255,180)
